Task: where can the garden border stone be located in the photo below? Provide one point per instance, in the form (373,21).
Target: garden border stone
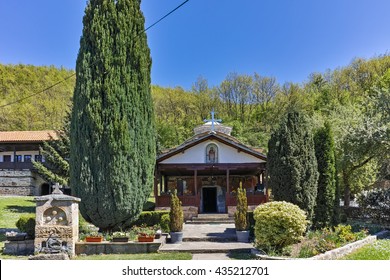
(332,254)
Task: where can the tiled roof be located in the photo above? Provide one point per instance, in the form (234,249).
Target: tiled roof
(27,136)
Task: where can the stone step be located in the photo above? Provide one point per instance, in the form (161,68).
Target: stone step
(207,247)
(232,238)
(211,219)
(211,216)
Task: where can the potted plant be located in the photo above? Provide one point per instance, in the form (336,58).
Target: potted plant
(144,233)
(176,219)
(240,216)
(120,236)
(94,237)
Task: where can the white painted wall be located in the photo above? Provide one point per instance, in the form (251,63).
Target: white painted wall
(226,154)
(22,153)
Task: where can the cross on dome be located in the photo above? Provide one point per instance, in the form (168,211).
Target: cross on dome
(212,120)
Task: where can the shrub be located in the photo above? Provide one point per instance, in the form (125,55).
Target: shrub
(251,222)
(376,204)
(240,216)
(176,217)
(278,224)
(26,223)
(164,223)
(150,218)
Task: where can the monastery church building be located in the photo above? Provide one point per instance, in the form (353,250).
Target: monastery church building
(206,171)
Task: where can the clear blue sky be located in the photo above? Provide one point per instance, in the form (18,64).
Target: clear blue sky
(211,38)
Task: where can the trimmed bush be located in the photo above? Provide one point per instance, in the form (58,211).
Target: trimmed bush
(150,218)
(26,223)
(278,224)
(240,216)
(164,223)
(176,217)
(251,222)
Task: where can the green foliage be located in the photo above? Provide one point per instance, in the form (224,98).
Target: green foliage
(113,145)
(278,224)
(379,250)
(327,239)
(292,165)
(325,155)
(240,216)
(251,223)
(176,216)
(26,223)
(44,111)
(150,218)
(164,223)
(56,154)
(12,207)
(376,204)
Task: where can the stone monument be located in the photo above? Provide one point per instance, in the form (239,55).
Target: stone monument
(57,223)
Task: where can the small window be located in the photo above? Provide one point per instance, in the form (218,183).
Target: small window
(38,158)
(27,158)
(18,158)
(211,153)
(7,158)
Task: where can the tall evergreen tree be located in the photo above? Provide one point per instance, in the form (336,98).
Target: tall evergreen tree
(325,154)
(55,169)
(113,144)
(292,164)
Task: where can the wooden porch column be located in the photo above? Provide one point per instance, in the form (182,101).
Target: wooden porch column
(156,180)
(227,195)
(196,181)
(227,181)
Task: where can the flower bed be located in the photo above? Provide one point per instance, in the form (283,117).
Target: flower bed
(320,241)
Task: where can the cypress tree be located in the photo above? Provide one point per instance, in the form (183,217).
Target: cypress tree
(292,165)
(325,154)
(113,144)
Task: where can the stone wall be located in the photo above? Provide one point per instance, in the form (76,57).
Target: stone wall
(90,248)
(20,182)
(25,247)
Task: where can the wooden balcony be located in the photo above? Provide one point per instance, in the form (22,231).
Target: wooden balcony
(16,166)
(252,198)
(186,200)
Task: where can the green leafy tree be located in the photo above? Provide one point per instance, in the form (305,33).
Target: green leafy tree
(325,154)
(113,145)
(292,165)
(56,152)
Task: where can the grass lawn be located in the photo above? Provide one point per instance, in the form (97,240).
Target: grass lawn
(11,207)
(379,250)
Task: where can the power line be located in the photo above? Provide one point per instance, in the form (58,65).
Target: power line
(70,76)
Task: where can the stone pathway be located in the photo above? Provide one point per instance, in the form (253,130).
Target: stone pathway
(208,242)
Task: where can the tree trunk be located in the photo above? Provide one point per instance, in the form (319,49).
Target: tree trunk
(347,190)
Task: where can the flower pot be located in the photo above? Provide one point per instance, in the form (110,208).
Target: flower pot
(176,237)
(242,236)
(120,239)
(145,238)
(94,239)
